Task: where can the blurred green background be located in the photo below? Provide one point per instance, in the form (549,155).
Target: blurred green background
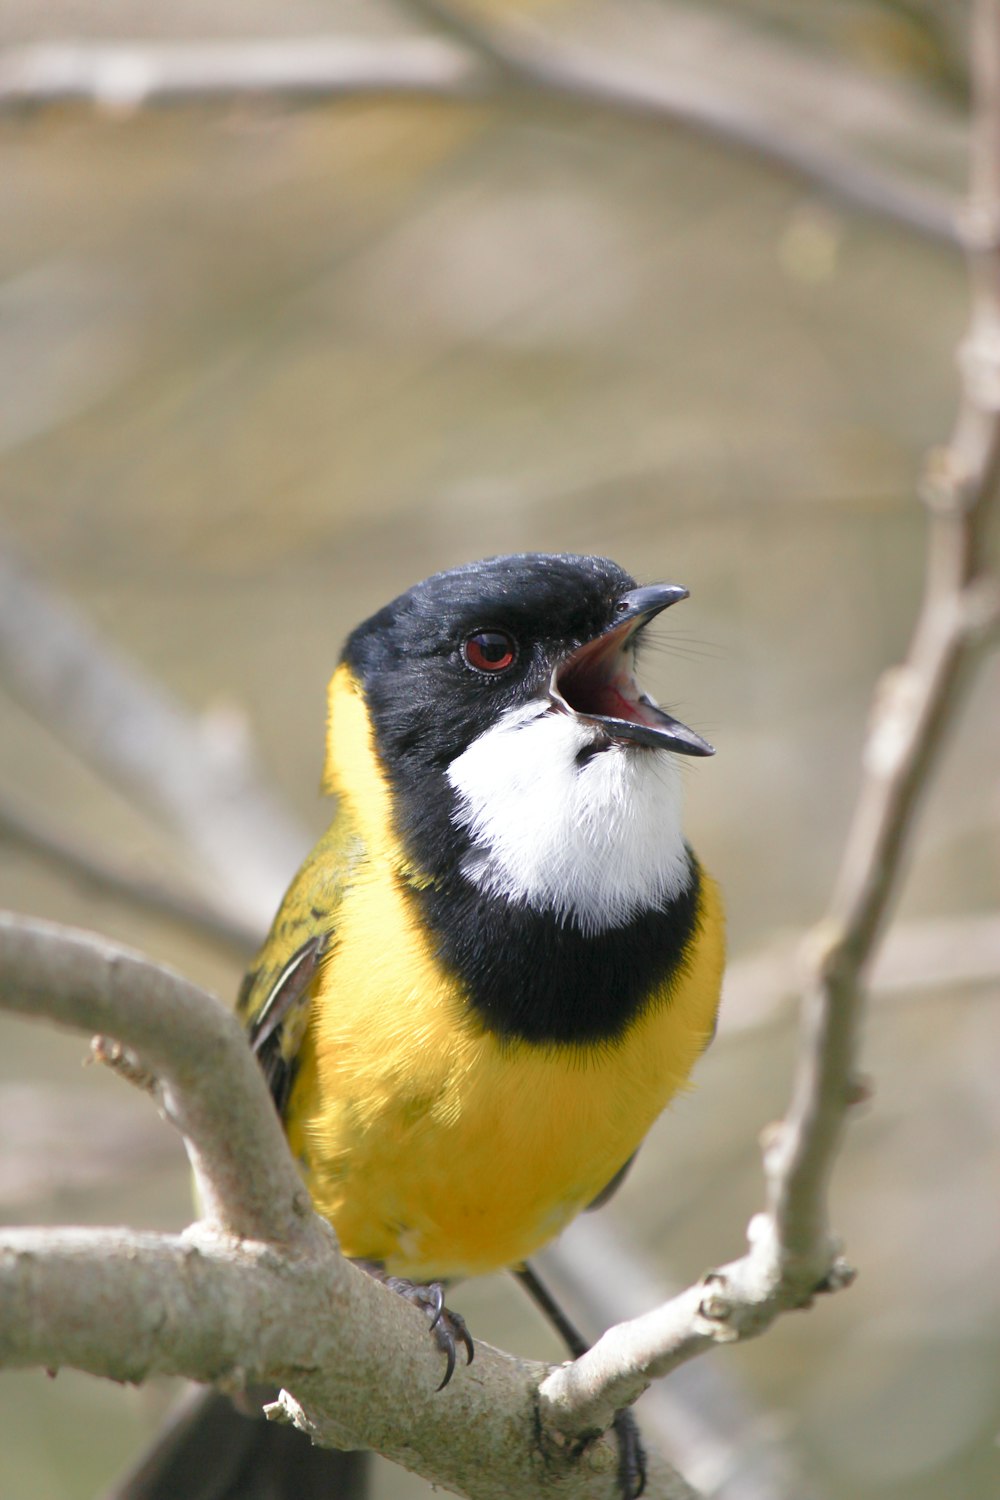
(263,367)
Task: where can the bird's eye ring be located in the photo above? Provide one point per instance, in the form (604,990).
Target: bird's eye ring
(490,650)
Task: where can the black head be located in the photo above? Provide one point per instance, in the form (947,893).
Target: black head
(442,663)
(430,693)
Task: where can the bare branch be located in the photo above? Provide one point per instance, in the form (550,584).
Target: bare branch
(792,1252)
(258,1292)
(133,732)
(210,1084)
(915,706)
(125,1305)
(475,61)
(702,1417)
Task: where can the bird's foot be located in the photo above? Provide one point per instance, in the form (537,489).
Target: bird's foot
(631,1456)
(449,1328)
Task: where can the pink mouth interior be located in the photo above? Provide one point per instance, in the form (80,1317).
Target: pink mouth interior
(596,681)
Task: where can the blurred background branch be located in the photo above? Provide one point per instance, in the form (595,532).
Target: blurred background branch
(198,777)
(122,76)
(765,113)
(125,880)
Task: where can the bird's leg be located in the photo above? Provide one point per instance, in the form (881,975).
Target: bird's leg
(449,1328)
(631,1454)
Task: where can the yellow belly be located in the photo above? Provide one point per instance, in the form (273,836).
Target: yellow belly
(434,1147)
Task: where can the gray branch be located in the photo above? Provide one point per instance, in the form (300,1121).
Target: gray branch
(209,1083)
(793,1253)
(210,1302)
(257,1292)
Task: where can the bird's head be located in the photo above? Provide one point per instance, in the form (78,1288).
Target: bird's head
(507,719)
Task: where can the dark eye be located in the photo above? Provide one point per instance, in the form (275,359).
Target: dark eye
(490,650)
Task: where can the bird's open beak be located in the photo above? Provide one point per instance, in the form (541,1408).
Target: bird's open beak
(596,684)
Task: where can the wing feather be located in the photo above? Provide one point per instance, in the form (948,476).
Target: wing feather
(275,996)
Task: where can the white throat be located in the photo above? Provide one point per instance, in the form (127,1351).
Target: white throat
(594,840)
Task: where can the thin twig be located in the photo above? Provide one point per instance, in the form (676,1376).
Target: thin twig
(703,1416)
(792,1251)
(916,704)
(485,63)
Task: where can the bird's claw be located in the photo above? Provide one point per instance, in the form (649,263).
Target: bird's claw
(449,1328)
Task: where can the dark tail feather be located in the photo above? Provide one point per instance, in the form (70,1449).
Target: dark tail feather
(211,1451)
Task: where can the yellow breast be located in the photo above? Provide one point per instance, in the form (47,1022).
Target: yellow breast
(433,1147)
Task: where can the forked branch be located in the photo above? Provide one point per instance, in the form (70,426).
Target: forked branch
(793,1253)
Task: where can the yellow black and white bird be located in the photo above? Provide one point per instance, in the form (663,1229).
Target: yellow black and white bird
(503,959)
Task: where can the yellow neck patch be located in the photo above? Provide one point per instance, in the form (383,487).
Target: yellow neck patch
(352,773)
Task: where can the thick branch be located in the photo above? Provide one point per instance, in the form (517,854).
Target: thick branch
(358,1359)
(257,1293)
